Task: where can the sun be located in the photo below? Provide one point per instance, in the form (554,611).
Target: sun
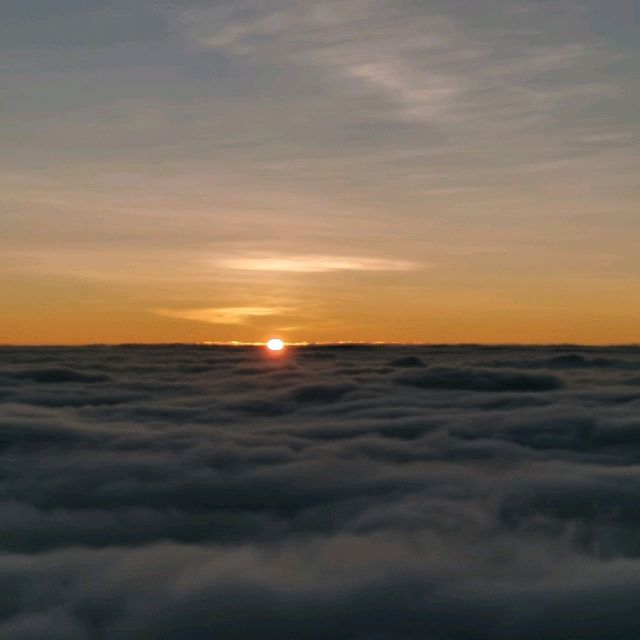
(275,344)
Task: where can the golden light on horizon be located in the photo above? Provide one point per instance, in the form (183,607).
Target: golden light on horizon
(275,344)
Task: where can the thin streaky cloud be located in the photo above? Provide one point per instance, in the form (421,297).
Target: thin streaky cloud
(315,264)
(222,315)
(335,39)
(428,66)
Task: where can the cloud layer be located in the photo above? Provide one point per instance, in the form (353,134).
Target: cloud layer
(339,492)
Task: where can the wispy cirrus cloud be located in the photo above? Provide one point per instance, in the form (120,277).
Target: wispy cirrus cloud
(426,63)
(315,264)
(383,53)
(222,315)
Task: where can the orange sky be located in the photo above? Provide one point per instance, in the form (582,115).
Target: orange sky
(419,172)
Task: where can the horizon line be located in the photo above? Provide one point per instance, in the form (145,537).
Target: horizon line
(334,343)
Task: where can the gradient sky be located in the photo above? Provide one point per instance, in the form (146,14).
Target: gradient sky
(430,171)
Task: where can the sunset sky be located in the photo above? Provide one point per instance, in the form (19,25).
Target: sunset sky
(340,170)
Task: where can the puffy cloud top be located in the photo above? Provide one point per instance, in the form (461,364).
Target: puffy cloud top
(369,493)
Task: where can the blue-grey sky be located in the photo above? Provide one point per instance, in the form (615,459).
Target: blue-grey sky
(333,170)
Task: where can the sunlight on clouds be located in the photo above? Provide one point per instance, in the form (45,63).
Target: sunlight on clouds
(316,264)
(221,315)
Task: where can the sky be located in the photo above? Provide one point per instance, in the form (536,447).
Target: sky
(353,170)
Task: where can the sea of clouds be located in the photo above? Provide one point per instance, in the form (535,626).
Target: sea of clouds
(334,493)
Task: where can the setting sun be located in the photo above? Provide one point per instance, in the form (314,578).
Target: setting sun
(275,344)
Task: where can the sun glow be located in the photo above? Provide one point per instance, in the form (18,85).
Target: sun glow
(275,344)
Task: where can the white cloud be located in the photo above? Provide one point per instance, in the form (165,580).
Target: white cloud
(315,264)
(370,43)
(427,65)
(222,315)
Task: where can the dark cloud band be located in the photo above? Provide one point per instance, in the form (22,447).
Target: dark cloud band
(365,492)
